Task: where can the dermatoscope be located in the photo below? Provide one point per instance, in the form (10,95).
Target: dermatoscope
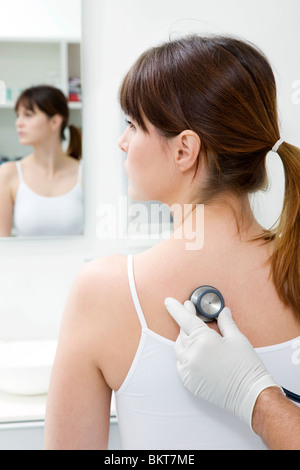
(209,303)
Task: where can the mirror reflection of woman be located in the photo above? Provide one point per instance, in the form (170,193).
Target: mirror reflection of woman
(42,194)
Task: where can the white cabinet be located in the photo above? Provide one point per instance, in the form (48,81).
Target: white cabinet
(22,436)
(28,62)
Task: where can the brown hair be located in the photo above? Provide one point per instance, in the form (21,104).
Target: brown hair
(51,101)
(224,89)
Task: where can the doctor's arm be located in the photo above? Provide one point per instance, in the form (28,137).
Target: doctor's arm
(232,376)
(277,420)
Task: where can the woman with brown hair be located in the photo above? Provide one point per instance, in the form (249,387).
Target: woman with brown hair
(202,116)
(42,194)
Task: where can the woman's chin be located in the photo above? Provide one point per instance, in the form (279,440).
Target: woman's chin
(135,196)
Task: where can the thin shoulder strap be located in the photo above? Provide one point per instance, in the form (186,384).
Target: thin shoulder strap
(19,170)
(133,291)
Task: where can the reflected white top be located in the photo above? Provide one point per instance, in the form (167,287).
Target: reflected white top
(37,215)
(155,411)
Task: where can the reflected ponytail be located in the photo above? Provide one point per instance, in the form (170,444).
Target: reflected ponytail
(75,146)
(285,260)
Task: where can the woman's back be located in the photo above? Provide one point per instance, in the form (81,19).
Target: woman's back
(154,409)
(239,269)
(156,412)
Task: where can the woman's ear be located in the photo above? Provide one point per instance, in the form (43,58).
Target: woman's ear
(188,146)
(56,122)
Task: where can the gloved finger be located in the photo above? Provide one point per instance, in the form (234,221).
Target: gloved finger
(185,340)
(190,307)
(226,324)
(185,319)
(180,370)
(180,347)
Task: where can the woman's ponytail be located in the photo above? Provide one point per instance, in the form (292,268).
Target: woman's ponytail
(75,144)
(285,260)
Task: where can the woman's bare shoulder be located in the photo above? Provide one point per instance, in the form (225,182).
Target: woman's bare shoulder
(8,181)
(101,276)
(8,170)
(92,300)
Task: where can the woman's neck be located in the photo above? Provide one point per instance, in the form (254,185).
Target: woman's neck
(49,157)
(230,215)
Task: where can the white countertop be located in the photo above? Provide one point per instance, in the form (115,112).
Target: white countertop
(17,408)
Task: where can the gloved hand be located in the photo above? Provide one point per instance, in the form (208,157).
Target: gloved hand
(224,370)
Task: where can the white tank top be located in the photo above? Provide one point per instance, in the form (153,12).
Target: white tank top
(155,411)
(36,215)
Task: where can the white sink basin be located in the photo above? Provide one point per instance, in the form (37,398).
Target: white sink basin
(25,366)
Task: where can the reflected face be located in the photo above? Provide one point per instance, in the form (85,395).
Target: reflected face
(149,165)
(33,127)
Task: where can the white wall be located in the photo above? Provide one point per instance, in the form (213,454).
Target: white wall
(35,276)
(40,19)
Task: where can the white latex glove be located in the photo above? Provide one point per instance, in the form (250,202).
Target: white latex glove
(224,370)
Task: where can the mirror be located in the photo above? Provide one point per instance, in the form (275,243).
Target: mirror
(41,177)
